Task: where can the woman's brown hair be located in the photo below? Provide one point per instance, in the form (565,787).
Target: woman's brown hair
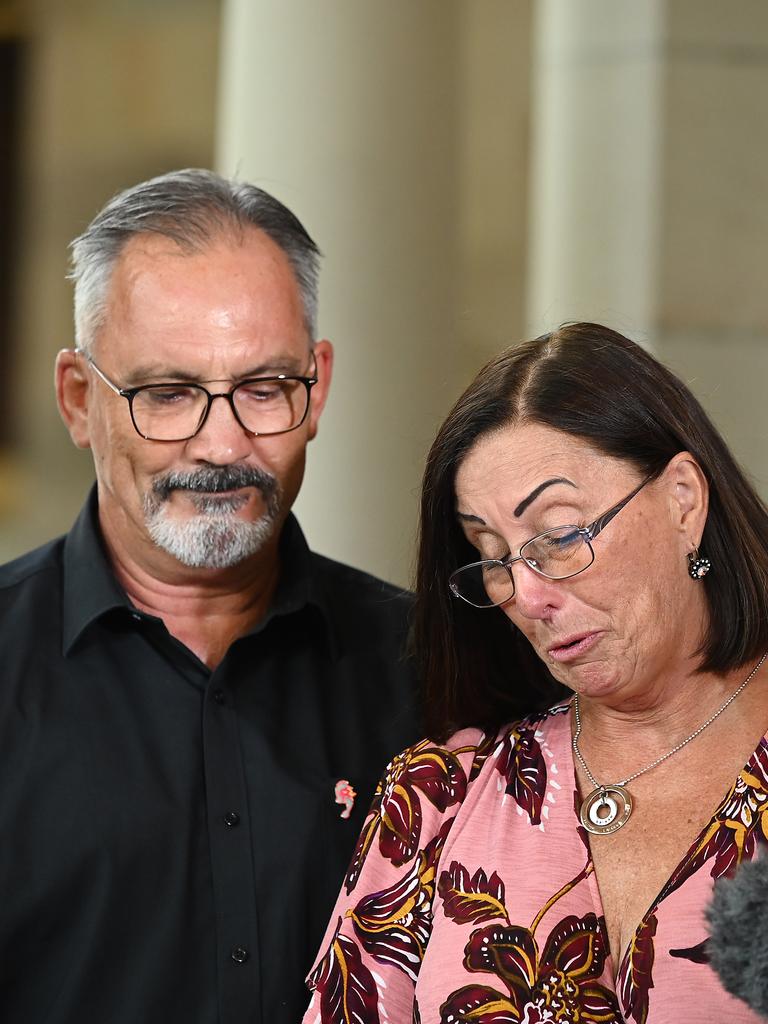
(590,382)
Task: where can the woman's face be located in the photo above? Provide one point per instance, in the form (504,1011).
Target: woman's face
(618,628)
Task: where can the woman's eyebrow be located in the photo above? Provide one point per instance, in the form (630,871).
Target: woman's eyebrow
(469,518)
(537,491)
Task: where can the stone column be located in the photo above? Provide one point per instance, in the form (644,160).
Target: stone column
(595,167)
(382,126)
(649,210)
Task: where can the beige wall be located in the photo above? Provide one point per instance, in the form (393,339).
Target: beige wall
(650,210)
(713,310)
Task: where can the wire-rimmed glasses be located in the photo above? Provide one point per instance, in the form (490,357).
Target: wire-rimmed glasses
(176,411)
(556,554)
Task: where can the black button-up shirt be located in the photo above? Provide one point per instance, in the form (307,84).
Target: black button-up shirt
(170,844)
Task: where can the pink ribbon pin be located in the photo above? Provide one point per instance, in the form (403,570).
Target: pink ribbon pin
(345,794)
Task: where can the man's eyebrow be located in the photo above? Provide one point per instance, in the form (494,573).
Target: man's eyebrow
(537,491)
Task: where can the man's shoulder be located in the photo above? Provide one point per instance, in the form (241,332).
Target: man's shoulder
(344,585)
(369,617)
(32,569)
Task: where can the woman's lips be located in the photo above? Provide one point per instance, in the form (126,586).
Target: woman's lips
(573,647)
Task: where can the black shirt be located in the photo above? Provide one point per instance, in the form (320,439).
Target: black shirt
(170,844)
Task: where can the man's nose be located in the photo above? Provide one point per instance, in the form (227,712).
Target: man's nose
(221,439)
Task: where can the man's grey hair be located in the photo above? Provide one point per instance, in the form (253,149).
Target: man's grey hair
(193,208)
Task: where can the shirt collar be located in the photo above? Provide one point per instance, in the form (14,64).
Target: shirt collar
(90,589)
(300,585)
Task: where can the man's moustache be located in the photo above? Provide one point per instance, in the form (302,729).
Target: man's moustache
(214,481)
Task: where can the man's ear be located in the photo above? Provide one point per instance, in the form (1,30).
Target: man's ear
(323,353)
(73,390)
(689,491)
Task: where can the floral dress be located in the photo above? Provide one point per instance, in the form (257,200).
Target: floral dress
(471,897)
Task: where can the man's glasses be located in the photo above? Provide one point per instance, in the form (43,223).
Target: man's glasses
(175,411)
(556,554)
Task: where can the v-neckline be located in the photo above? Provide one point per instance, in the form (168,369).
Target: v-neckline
(618,963)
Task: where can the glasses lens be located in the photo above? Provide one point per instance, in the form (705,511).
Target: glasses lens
(173,412)
(558,553)
(271,406)
(483,584)
(168,412)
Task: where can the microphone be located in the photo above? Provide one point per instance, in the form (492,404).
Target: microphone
(738,944)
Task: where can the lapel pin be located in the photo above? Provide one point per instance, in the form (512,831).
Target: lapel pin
(345,794)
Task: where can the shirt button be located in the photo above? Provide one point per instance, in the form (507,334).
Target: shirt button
(231,818)
(219,696)
(239,954)
(136,617)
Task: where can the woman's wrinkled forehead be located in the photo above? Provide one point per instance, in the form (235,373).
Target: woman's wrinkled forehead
(523,452)
(516,464)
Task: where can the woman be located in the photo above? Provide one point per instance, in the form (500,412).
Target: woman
(586,537)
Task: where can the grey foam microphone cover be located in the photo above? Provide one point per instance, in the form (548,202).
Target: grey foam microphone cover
(738,946)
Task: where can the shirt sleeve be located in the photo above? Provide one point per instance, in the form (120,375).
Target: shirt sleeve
(369,961)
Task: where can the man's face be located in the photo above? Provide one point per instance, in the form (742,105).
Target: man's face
(229,312)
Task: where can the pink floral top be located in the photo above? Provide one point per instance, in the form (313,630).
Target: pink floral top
(471,897)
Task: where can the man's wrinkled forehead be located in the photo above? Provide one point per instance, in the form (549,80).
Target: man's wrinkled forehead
(239,282)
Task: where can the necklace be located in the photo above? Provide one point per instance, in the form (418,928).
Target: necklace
(609,806)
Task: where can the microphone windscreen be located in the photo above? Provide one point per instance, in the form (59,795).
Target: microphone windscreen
(738,946)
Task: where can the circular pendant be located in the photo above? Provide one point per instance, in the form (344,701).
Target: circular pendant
(605,810)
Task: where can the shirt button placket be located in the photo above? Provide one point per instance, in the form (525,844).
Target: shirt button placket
(231,856)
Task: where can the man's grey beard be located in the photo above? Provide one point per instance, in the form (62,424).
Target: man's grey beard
(214,538)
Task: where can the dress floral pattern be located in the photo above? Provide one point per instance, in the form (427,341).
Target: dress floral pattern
(471,897)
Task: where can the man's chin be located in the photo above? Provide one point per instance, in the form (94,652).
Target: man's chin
(210,541)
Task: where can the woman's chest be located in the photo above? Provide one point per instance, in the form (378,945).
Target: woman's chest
(519,922)
(517,931)
(672,814)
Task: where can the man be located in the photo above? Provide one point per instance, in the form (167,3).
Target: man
(194,708)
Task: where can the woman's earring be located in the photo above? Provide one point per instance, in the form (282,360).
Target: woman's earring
(698,567)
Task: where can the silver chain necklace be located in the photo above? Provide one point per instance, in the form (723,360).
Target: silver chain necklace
(609,806)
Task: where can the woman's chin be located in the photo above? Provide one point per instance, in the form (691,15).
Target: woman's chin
(591,680)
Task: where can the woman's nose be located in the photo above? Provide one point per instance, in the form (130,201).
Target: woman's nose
(535,595)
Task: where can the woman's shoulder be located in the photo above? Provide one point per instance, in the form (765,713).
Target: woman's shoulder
(441,774)
(478,743)
(517,759)
(433,783)
(471,739)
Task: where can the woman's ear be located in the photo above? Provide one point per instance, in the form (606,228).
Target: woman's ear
(689,495)
(73,394)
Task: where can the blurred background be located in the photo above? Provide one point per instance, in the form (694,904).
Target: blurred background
(475,171)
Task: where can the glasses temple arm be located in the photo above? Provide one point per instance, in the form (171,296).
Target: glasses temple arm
(600,524)
(602,521)
(107,381)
